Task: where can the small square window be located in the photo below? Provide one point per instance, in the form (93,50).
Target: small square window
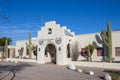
(117,51)
(100,52)
(83,52)
(49,31)
(39,49)
(59,48)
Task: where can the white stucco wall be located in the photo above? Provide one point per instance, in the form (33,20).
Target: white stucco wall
(115,43)
(95,39)
(57,32)
(19,45)
(66,37)
(22,43)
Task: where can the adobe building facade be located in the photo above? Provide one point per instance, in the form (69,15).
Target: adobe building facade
(57,44)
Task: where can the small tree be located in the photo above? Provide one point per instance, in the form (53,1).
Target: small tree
(89,49)
(3,40)
(34,49)
(21,52)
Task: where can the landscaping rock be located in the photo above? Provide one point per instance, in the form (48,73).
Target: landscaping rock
(107,77)
(90,72)
(16,61)
(7,60)
(72,67)
(79,70)
(12,60)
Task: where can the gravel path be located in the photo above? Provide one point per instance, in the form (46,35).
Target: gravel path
(34,71)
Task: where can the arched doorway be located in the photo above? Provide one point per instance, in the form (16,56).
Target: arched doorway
(68,51)
(50,52)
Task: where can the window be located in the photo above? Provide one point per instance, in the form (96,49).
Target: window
(49,30)
(59,48)
(83,52)
(100,52)
(39,49)
(117,51)
(68,51)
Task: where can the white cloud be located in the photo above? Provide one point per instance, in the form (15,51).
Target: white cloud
(21,31)
(3,27)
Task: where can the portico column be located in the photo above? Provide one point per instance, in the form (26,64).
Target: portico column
(40,57)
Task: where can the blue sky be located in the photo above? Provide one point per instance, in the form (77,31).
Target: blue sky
(19,17)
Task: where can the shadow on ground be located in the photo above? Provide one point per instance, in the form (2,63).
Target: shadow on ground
(8,69)
(112,71)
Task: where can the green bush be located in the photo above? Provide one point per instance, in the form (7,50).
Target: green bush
(115,76)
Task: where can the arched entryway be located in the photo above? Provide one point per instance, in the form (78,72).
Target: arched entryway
(50,52)
(68,51)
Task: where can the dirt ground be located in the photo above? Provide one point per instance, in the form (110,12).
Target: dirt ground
(34,71)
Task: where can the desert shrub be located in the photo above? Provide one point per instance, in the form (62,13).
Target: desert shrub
(75,51)
(115,76)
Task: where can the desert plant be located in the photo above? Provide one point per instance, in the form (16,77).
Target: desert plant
(21,52)
(3,40)
(107,40)
(6,48)
(34,49)
(115,76)
(75,51)
(89,49)
(2,52)
(29,45)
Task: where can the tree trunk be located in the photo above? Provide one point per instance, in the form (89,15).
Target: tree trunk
(88,55)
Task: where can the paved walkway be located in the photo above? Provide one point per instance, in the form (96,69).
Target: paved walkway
(34,71)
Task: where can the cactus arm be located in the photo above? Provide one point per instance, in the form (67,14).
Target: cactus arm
(109,40)
(105,34)
(109,32)
(29,38)
(104,40)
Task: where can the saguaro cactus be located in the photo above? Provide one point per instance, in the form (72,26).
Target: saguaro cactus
(107,39)
(6,48)
(29,45)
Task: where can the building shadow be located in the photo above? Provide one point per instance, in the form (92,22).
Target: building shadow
(99,41)
(112,71)
(7,69)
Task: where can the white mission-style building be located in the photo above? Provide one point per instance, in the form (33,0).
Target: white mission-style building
(57,44)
